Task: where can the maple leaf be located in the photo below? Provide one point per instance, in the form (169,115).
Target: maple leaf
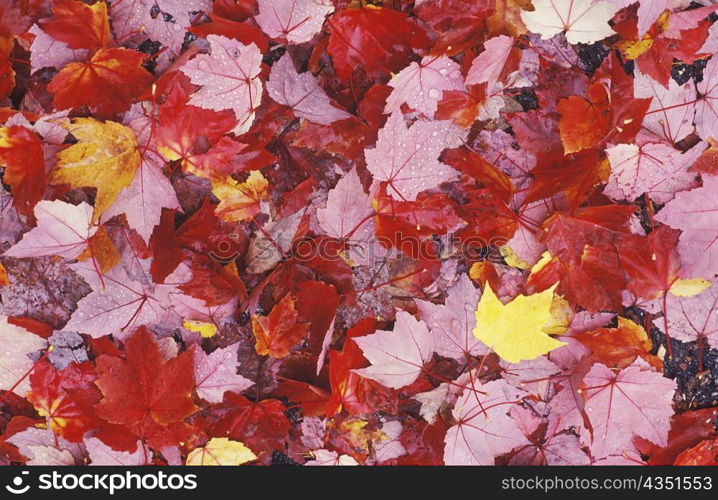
(583,21)
(277,333)
(216,373)
(484,428)
(397,357)
(633,402)
(62,229)
(296,21)
(693,318)
(108,83)
(46,52)
(515,330)
(21,153)
(670,115)
(229,79)
(584,122)
(407,157)
(117,303)
(348,217)
(150,191)
(220,451)
(143,391)
(239,201)
(261,425)
(101,454)
(452,323)
(376,38)
(706,107)
(14,361)
(421,86)
(162,20)
(302,93)
(619,347)
(695,212)
(493,65)
(79,25)
(105,157)
(656,169)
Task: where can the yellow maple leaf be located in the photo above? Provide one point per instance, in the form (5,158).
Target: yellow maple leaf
(239,201)
(689,287)
(105,157)
(515,331)
(221,451)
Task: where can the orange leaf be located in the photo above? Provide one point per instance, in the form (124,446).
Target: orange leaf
(277,333)
(584,122)
(108,83)
(619,347)
(79,25)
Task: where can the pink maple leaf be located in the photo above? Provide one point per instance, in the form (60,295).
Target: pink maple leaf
(302,93)
(633,402)
(62,229)
(694,318)
(216,373)
(163,21)
(707,106)
(348,217)
(485,428)
(452,324)
(229,78)
(150,190)
(657,169)
(670,115)
(101,454)
(695,213)
(296,21)
(14,361)
(407,157)
(46,52)
(397,357)
(117,304)
(490,64)
(421,86)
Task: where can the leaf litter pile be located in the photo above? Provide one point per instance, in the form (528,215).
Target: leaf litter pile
(319,232)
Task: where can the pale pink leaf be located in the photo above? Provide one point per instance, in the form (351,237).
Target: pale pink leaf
(397,357)
(485,428)
(583,21)
(14,361)
(296,21)
(407,157)
(656,169)
(558,449)
(49,455)
(330,458)
(46,52)
(62,229)
(694,318)
(229,78)
(670,114)
(118,305)
(302,93)
(421,86)
(163,21)
(216,373)
(635,401)
(488,66)
(695,213)
(150,190)
(707,106)
(101,454)
(452,324)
